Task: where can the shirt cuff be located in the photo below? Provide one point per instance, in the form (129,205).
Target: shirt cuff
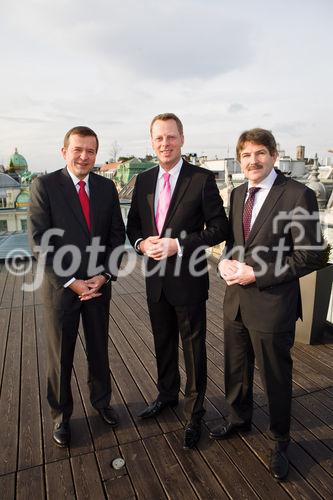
(180,250)
(69,282)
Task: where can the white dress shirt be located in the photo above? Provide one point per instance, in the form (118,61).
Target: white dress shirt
(265,187)
(76,181)
(174,174)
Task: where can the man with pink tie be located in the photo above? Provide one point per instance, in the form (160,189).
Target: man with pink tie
(176,213)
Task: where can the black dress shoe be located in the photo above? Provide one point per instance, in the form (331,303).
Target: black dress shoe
(229,429)
(191,436)
(279,465)
(156,408)
(109,416)
(62,434)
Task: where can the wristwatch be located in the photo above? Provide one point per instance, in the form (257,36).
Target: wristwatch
(107,276)
(137,246)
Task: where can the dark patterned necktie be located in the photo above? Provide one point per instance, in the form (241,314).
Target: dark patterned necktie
(85,204)
(247,211)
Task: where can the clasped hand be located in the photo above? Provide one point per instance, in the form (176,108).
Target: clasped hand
(158,248)
(88,289)
(236,273)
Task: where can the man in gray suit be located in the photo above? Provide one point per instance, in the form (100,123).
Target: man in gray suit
(77,211)
(275,239)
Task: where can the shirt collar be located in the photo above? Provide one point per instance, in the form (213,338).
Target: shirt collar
(173,171)
(266,183)
(75,179)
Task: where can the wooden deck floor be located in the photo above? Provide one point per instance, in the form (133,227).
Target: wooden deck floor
(156,466)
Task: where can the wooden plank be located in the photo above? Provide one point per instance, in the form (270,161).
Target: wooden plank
(30,443)
(4,324)
(168,469)
(104,460)
(18,292)
(3,278)
(313,404)
(308,467)
(325,398)
(7,487)
(30,484)
(314,447)
(102,434)
(130,392)
(296,485)
(59,481)
(144,479)
(314,424)
(7,296)
(230,478)
(9,400)
(120,489)
(87,480)
(197,471)
(252,469)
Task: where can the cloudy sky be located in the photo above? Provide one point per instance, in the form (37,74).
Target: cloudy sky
(112,65)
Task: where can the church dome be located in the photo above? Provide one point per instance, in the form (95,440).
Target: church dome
(22,201)
(17,162)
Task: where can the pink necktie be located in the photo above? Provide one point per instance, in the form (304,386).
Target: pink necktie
(247,212)
(163,203)
(85,204)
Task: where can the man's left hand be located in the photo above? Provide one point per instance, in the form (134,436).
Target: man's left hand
(163,248)
(243,275)
(94,284)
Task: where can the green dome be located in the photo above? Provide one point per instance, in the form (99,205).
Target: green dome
(17,162)
(22,201)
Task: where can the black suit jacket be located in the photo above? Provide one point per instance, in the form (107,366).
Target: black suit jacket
(196,217)
(55,204)
(272,303)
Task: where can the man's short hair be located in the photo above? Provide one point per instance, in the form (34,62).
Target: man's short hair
(167,116)
(83,131)
(257,136)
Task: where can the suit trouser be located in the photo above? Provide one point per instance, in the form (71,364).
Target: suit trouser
(190,321)
(62,329)
(272,354)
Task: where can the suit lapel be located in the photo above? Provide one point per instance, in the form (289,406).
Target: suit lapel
(72,199)
(272,198)
(96,204)
(182,184)
(151,188)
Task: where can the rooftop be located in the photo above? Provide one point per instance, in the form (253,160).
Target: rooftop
(156,466)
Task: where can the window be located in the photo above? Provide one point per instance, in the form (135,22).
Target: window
(3,226)
(24,225)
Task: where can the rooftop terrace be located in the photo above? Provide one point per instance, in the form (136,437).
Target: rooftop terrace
(156,466)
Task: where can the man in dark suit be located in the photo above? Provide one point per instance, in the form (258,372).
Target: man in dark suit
(76,222)
(275,240)
(176,213)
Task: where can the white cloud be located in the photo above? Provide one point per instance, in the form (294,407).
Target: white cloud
(223,67)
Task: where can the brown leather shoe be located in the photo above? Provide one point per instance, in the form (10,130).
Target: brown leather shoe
(229,429)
